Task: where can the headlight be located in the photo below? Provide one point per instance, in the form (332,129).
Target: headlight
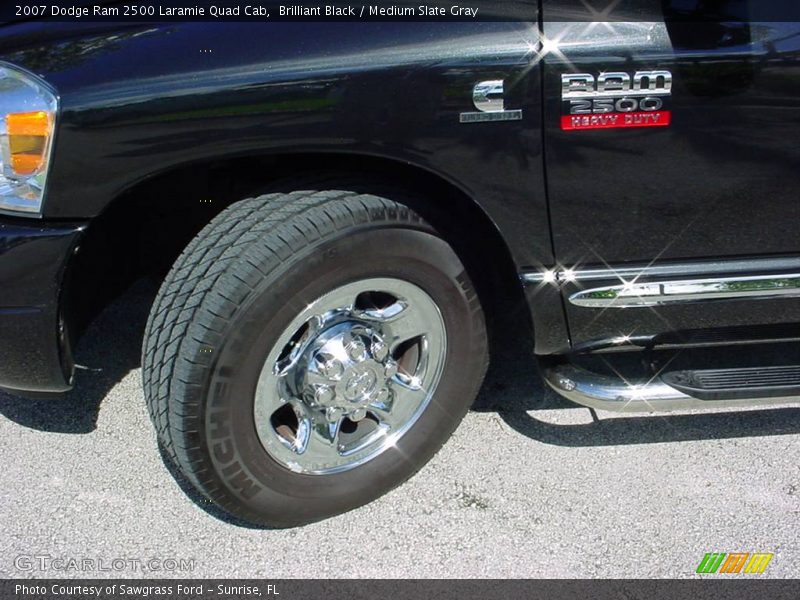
(27,121)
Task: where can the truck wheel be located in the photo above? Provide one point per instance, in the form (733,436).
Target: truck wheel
(310,351)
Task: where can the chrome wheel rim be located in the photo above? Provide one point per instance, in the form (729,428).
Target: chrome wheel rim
(349,376)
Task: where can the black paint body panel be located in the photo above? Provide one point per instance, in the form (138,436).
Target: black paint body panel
(720,183)
(34,346)
(141,100)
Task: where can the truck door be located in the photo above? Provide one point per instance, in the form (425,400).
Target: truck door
(674,168)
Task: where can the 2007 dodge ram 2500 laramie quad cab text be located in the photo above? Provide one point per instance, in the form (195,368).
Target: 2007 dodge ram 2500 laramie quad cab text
(343,213)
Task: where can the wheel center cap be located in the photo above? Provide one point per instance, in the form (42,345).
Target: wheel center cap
(346,367)
(359,385)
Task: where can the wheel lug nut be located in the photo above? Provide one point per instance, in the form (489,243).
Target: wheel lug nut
(333,413)
(332,368)
(356,350)
(324,395)
(380,351)
(390,370)
(383,395)
(357,414)
(328,365)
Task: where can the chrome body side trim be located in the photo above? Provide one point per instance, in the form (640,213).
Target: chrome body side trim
(605,392)
(631,295)
(685,270)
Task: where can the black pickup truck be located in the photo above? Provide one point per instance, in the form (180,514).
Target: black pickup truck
(350,218)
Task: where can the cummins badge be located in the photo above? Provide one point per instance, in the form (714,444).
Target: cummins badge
(487,96)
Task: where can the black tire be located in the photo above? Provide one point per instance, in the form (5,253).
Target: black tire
(228,294)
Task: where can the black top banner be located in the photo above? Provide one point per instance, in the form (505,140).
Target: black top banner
(266,10)
(398,10)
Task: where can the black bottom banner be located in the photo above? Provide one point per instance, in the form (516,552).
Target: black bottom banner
(374,589)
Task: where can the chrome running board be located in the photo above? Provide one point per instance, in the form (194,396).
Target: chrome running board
(605,392)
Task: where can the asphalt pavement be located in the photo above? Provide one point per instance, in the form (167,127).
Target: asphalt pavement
(529,486)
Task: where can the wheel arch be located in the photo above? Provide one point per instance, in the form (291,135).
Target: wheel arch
(143,230)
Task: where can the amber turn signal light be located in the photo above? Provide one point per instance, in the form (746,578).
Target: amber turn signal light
(27,140)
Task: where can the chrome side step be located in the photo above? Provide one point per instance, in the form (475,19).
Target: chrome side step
(605,392)
(716,384)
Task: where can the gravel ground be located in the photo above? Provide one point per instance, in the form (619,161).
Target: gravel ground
(529,486)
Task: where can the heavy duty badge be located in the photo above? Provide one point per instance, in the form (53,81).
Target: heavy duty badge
(615,99)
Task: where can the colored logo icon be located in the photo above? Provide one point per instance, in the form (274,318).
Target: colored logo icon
(734,562)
